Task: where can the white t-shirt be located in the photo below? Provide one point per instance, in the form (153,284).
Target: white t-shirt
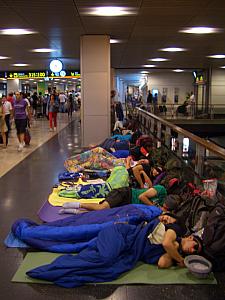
(62,98)
(7,107)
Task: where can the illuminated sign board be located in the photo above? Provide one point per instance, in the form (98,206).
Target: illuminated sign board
(40,74)
(64,73)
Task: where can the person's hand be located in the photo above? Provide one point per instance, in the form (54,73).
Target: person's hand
(181,264)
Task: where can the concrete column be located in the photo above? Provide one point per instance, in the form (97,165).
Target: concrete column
(13,85)
(113,79)
(95,88)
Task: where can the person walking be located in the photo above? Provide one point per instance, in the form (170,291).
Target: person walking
(53,109)
(21,108)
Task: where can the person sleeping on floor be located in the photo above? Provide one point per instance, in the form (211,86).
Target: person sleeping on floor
(117,249)
(122,196)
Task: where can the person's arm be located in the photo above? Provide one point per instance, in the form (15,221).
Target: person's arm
(137,174)
(147,180)
(146,196)
(170,246)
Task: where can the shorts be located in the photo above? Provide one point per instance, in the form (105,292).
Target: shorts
(119,197)
(21,125)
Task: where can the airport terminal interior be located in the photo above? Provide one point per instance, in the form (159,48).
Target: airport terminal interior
(112,149)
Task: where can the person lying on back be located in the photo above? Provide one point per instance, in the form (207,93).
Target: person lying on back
(122,196)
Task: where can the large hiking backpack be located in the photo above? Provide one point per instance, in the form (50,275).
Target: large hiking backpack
(193,209)
(214,237)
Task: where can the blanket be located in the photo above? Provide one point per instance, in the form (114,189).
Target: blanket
(75,233)
(116,249)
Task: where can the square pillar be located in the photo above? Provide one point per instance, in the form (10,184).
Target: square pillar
(95,88)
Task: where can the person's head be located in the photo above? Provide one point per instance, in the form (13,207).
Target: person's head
(171,202)
(18,96)
(10,94)
(4,98)
(155,171)
(191,245)
(40,93)
(52,97)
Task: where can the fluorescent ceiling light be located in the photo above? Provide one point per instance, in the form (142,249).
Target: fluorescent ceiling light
(178,70)
(217,56)
(200,30)
(149,66)
(43,50)
(173,49)
(158,59)
(223,67)
(16,31)
(112,11)
(4,57)
(31,79)
(144,72)
(20,65)
(115,41)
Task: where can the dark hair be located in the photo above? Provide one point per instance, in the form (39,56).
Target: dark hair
(198,247)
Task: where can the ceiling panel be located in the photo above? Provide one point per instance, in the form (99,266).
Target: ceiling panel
(61,23)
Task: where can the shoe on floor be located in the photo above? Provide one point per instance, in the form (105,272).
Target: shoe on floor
(20,147)
(50,129)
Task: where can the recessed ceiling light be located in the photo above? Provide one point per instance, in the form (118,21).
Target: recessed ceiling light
(144,72)
(20,65)
(200,30)
(31,79)
(41,80)
(223,67)
(43,50)
(115,41)
(158,59)
(173,49)
(178,70)
(4,57)
(149,66)
(112,11)
(35,82)
(217,56)
(16,31)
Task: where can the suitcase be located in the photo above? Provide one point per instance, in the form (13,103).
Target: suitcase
(27,137)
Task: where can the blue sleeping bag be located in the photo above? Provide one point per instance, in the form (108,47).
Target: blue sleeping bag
(75,233)
(68,175)
(116,250)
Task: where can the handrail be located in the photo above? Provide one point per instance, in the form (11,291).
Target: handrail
(206,144)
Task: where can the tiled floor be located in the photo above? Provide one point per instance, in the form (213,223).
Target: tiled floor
(40,134)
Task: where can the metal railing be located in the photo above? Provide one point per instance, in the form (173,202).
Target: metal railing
(181,111)
(194,151)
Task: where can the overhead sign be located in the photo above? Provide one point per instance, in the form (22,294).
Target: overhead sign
(39,74)
(64,73)
(25,75)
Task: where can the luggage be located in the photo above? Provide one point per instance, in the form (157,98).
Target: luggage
(27,137)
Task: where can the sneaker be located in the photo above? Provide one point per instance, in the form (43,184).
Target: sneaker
(55,129)
(20,147)
(50,129)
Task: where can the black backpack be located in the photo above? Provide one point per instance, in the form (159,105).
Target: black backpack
(214,237)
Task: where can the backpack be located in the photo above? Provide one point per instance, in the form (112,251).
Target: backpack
(142,140)
(214,238)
